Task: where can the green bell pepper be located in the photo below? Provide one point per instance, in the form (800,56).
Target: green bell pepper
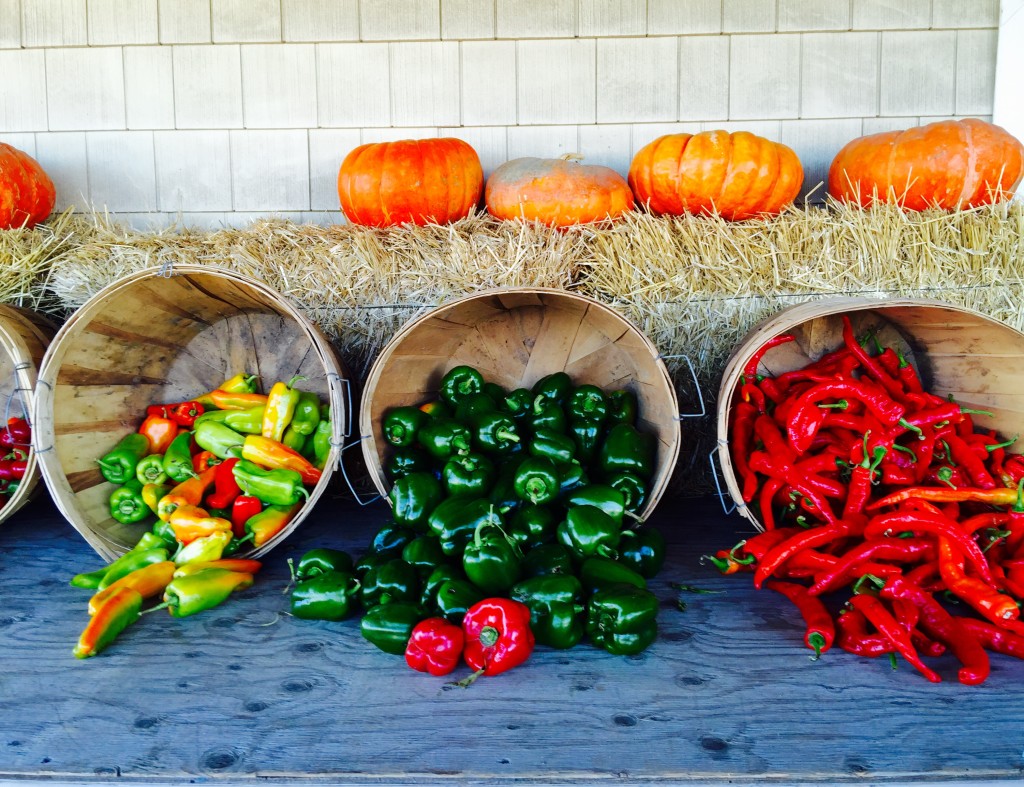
(492,561)
(150,470)
(588,402)
(317,562)
(279,487)
(627,450)
(622,620)
(127,505)
(403,461)
(307,414)
(601,573)
(600,496)
(556,606)
(455,521)
(471,475)
(556,386)
(332,595)
(547,559)
(532,525)
(517,403)
(424,554)
(473,404)
(443,438)
(219,439)
(546,414)
(401,425)
(494,431)
(177,461)
(503,493)
(632,487)
(537,480)
(586,437)
(391,582)
(549,444)
(118,465)
(432,584)
(455,597)
(495,391)
(392,538)
(389,626)
(643,551)
(588,531)
(459,382)
(414,497)
(372,560)
(622,407)
(571,478)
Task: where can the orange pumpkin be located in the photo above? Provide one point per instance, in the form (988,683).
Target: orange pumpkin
(558,192)
(381,184)
(737,175)
(950,164)
(26,191)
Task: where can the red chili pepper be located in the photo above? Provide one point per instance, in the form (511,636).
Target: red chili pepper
(820,632)
(740,435)
(869,362)
(435,646)
(750,367)
(908,615)
(994,638)
(815,537)
(907,375)
(498,636)
(185,413)
(942,626)
(883,620)
(813,488)
(806,417)
(975,467)
(852,636)
(226,489)
(903,550)
(861,478)
(751,394)
(995,606)
(244,507)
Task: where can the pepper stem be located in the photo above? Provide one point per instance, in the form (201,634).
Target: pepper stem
(910,427)
(842,404)
(291,579)
(164,605)
(1018,507)
(468,680)
(719,563)
(817,642)
(505,434)
(1004,444)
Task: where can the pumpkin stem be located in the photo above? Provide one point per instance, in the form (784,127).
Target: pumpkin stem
(572,157)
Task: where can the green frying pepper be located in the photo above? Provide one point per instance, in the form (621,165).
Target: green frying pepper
(118,465)
(279,487)
(177,461)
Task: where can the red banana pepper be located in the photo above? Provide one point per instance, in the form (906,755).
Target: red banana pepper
(435,646)
(244,507)
(160,431)
(226,489)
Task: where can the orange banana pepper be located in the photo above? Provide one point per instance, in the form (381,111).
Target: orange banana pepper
(192,522)
(276,456)
(224,400)
(188,493)
(148,581)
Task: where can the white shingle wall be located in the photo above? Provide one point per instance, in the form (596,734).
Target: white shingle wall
(221,111)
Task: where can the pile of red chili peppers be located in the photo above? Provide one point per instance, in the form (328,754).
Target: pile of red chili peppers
(868,484)
(15,441)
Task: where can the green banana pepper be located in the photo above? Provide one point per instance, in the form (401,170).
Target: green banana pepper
(443,438)
(279,487)
(547,559)
(588,402)
(388,583)
(600,496)
(248,421)
(455,597)
(601,573)
(643,551)
(537,480)
(392,538)
(404,461)
(118,465)
(219,439)
(459,382)
(424,554)
(556,386)
(317,562)
(306,417)
(549,444)
(456,520)
(293,440)
(322,437)
(178,458)
(622,407)
(129,562)
(588,531)
(632,487)
(332,595)
(471,475)
(546,414)
(622,620)
(627,450)
(414,497)
(187,595)
(401,425)
(150,470)
(151,540)
(556,607)
(127,505)
(389,626)
(586,436)
(492,561)
(532,525)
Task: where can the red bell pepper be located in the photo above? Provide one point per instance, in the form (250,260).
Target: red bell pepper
(435,646)
(498,636)
(160,431)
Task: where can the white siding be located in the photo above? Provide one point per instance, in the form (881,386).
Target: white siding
(85,89)
(148,87)
(23,98)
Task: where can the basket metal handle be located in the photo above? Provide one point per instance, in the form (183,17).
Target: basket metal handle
(348,481)
(728,509)
(696,387)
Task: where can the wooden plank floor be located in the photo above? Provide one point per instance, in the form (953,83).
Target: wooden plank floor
(727,694)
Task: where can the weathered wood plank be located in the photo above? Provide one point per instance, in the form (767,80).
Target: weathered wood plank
(244,692)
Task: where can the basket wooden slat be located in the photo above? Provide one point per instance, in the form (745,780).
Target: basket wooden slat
(515,337)
(957,351)
(160,336)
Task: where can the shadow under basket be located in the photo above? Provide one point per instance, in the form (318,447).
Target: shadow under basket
(515,337)
(24,337)
(956,351)
(154,338)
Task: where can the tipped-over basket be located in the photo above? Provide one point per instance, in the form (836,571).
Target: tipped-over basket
(24,337)
(955,350)
(155,337)
(515,337)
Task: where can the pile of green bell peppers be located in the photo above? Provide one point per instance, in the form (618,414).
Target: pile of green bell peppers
(531,494)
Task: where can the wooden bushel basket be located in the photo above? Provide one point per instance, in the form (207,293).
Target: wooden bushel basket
(515,337)
(161,336)
(955,351)
(24,337)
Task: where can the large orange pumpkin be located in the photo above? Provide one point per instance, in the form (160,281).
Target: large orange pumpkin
(737,175)
(26,191)
(421,181)
(557,192)
(950,164)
